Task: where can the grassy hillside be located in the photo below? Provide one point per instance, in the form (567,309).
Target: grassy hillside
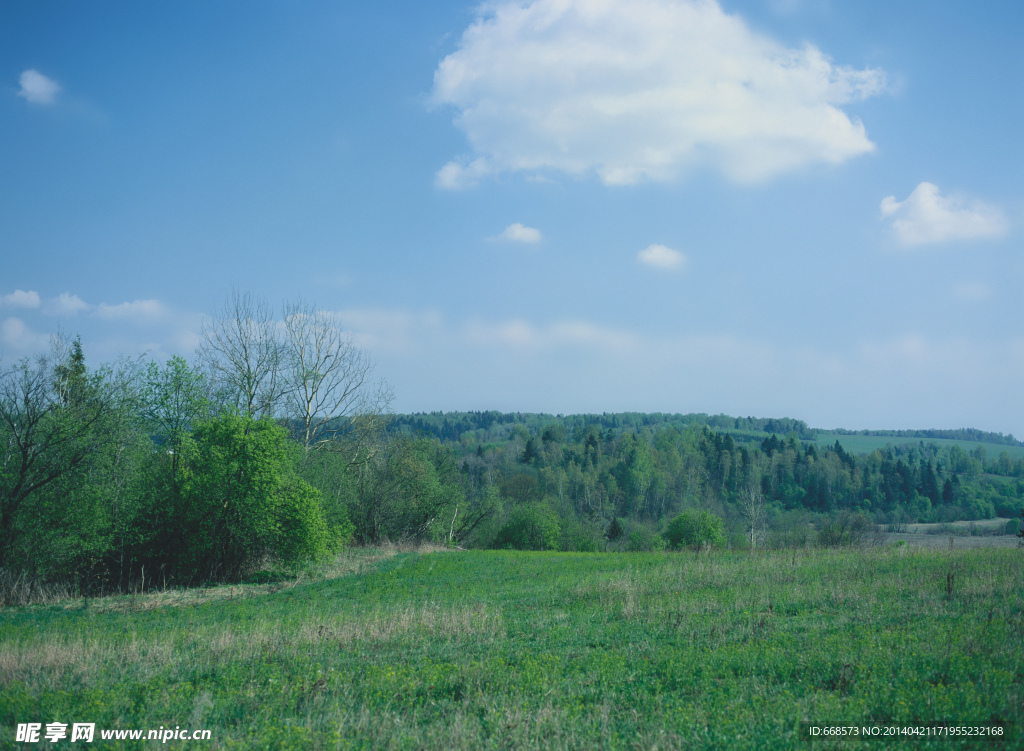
(543,650)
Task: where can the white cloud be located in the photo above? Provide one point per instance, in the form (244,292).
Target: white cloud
(661,257)
(66,304)
(20,299)
(465,174)
(928,217)
(37,88)
(638,90)
(136,309)
(520,233)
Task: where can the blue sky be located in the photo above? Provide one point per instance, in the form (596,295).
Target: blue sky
(804,208)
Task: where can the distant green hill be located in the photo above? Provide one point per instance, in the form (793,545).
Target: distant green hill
(451,426)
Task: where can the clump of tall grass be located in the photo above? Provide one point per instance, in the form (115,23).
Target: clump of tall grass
(21,588)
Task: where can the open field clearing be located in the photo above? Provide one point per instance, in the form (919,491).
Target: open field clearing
(543,650)
(865,444)
(924,540)
(986,533)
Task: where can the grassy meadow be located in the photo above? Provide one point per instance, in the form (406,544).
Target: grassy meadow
(478,650)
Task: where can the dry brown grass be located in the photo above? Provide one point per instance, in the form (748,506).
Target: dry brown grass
(52,659)
(17,590)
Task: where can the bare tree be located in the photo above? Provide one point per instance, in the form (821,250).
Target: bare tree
(241,349)
(752,506)
(329,391)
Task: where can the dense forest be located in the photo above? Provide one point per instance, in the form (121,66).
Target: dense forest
(274,448)
(767,479)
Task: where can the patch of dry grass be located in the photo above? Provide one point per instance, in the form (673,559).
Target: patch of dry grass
(53,658)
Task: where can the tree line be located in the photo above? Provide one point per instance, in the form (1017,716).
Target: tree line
(268,449)
(274,446)
(590,481)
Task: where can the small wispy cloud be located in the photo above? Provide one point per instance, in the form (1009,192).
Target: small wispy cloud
(37,88)
(926,216)
(662,257)
(20,299)
(520,233)
(135,309)
(462,174)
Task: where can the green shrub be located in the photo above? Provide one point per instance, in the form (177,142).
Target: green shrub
(847,529)
(243,502)
(580,535)
(643,540)
(532,526)
(694,529)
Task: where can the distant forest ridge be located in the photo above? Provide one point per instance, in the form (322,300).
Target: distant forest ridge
(960,434)
(450,426)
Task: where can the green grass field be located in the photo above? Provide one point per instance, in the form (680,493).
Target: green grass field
(865,444)
(471,650)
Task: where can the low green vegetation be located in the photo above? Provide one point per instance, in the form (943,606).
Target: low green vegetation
(695,529)
(478,650)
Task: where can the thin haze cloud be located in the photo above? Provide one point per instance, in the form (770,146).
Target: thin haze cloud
(926,216)
(641,91)
(135,309)
(37,88)
(972,291)
(15,333)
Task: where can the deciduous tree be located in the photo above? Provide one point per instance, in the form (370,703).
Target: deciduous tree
(51,412)
(328,378)
(241,350)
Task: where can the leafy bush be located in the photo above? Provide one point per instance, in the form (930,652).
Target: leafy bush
(1009,507)
(694,529)
(847,529)
(243,502)
(580,534)
(532,526)
(643,540)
